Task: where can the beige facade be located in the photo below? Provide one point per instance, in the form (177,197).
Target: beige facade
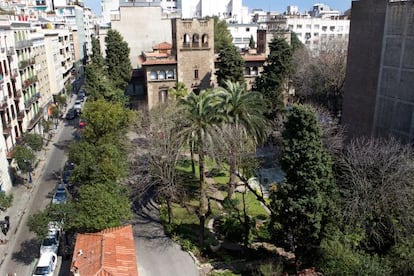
(43,86)
(141,27)
(11,107)
(193,45)
(54,66)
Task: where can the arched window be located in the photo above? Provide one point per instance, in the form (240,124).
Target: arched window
(247,71)
(196,40)
(162,96)
(170,74)
(204,40)
(254,71)
(153,75)
(161,75)
(187,41)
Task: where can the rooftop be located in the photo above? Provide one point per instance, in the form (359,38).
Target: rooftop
(106,253)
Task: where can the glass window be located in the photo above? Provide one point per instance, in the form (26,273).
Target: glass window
(161,75)
(196,74)
(153,75)
(170,74)
(163,96)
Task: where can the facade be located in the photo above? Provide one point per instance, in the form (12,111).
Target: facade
(317,30)
(142,39)
(379,95)
(242,33)
(43,83)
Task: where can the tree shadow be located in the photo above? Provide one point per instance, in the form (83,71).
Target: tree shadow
(29,249)
(63,145)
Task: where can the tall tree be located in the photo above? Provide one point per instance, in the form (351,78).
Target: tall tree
(101,206)
(201,115)
(117,59)
(231,66)
(97,58)
(165,144)
(271,83)
(320,79)
(222,36)
(105,120)
(307,197)
(245,119)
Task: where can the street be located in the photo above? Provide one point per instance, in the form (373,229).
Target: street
(23,249)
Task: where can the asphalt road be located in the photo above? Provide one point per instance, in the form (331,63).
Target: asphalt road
(25,248)
(157,254)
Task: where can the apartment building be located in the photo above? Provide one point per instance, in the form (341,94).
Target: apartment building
(242,33)
(12,111)
(379,98)
(318,29)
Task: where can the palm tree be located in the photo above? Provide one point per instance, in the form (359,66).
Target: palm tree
(244,120)
(201,114)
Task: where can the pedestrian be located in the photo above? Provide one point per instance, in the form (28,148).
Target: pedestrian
(5,224)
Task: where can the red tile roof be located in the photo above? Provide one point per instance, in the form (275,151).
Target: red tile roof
(162,46)
(110,252)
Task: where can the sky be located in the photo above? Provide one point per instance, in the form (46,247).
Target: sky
(304,5)
(272,5)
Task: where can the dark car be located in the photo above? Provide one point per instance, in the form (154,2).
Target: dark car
(69,165)
(66,177)
(60,195)
(71,114)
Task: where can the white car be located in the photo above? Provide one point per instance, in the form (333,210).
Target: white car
(78,105)
(46,265)
(51,242)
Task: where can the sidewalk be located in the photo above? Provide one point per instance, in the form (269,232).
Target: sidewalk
(22,194)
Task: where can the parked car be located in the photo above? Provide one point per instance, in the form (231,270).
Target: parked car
(78,106)
(60,195)
(66,176)
(82,124)
(51,242)
(46,265)
(71,114)
(69,165)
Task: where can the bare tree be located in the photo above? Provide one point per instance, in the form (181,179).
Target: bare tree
(377,185)
(165,144)
(320,78)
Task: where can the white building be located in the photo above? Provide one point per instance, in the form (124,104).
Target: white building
(242,33)
(315,29)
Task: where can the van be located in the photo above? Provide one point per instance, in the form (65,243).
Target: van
(46,265)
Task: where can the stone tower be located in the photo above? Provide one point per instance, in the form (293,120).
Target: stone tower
(193,45)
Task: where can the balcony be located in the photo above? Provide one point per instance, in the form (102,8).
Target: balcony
(23,44)
(10,51)
(3,104)
(28,104)
(14,73)
(7,128)
(3,50)
(35,119)
(23,64)
(20,116)
(17,95)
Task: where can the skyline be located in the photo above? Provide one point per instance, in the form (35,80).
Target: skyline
(267,5)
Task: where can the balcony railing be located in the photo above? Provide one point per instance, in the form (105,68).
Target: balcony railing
(14,73)
(3,104)
(10,51)
(35,119)
(7,127)
(24,63)
(17,95)
(28,104)
(23,44)
(20,115)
